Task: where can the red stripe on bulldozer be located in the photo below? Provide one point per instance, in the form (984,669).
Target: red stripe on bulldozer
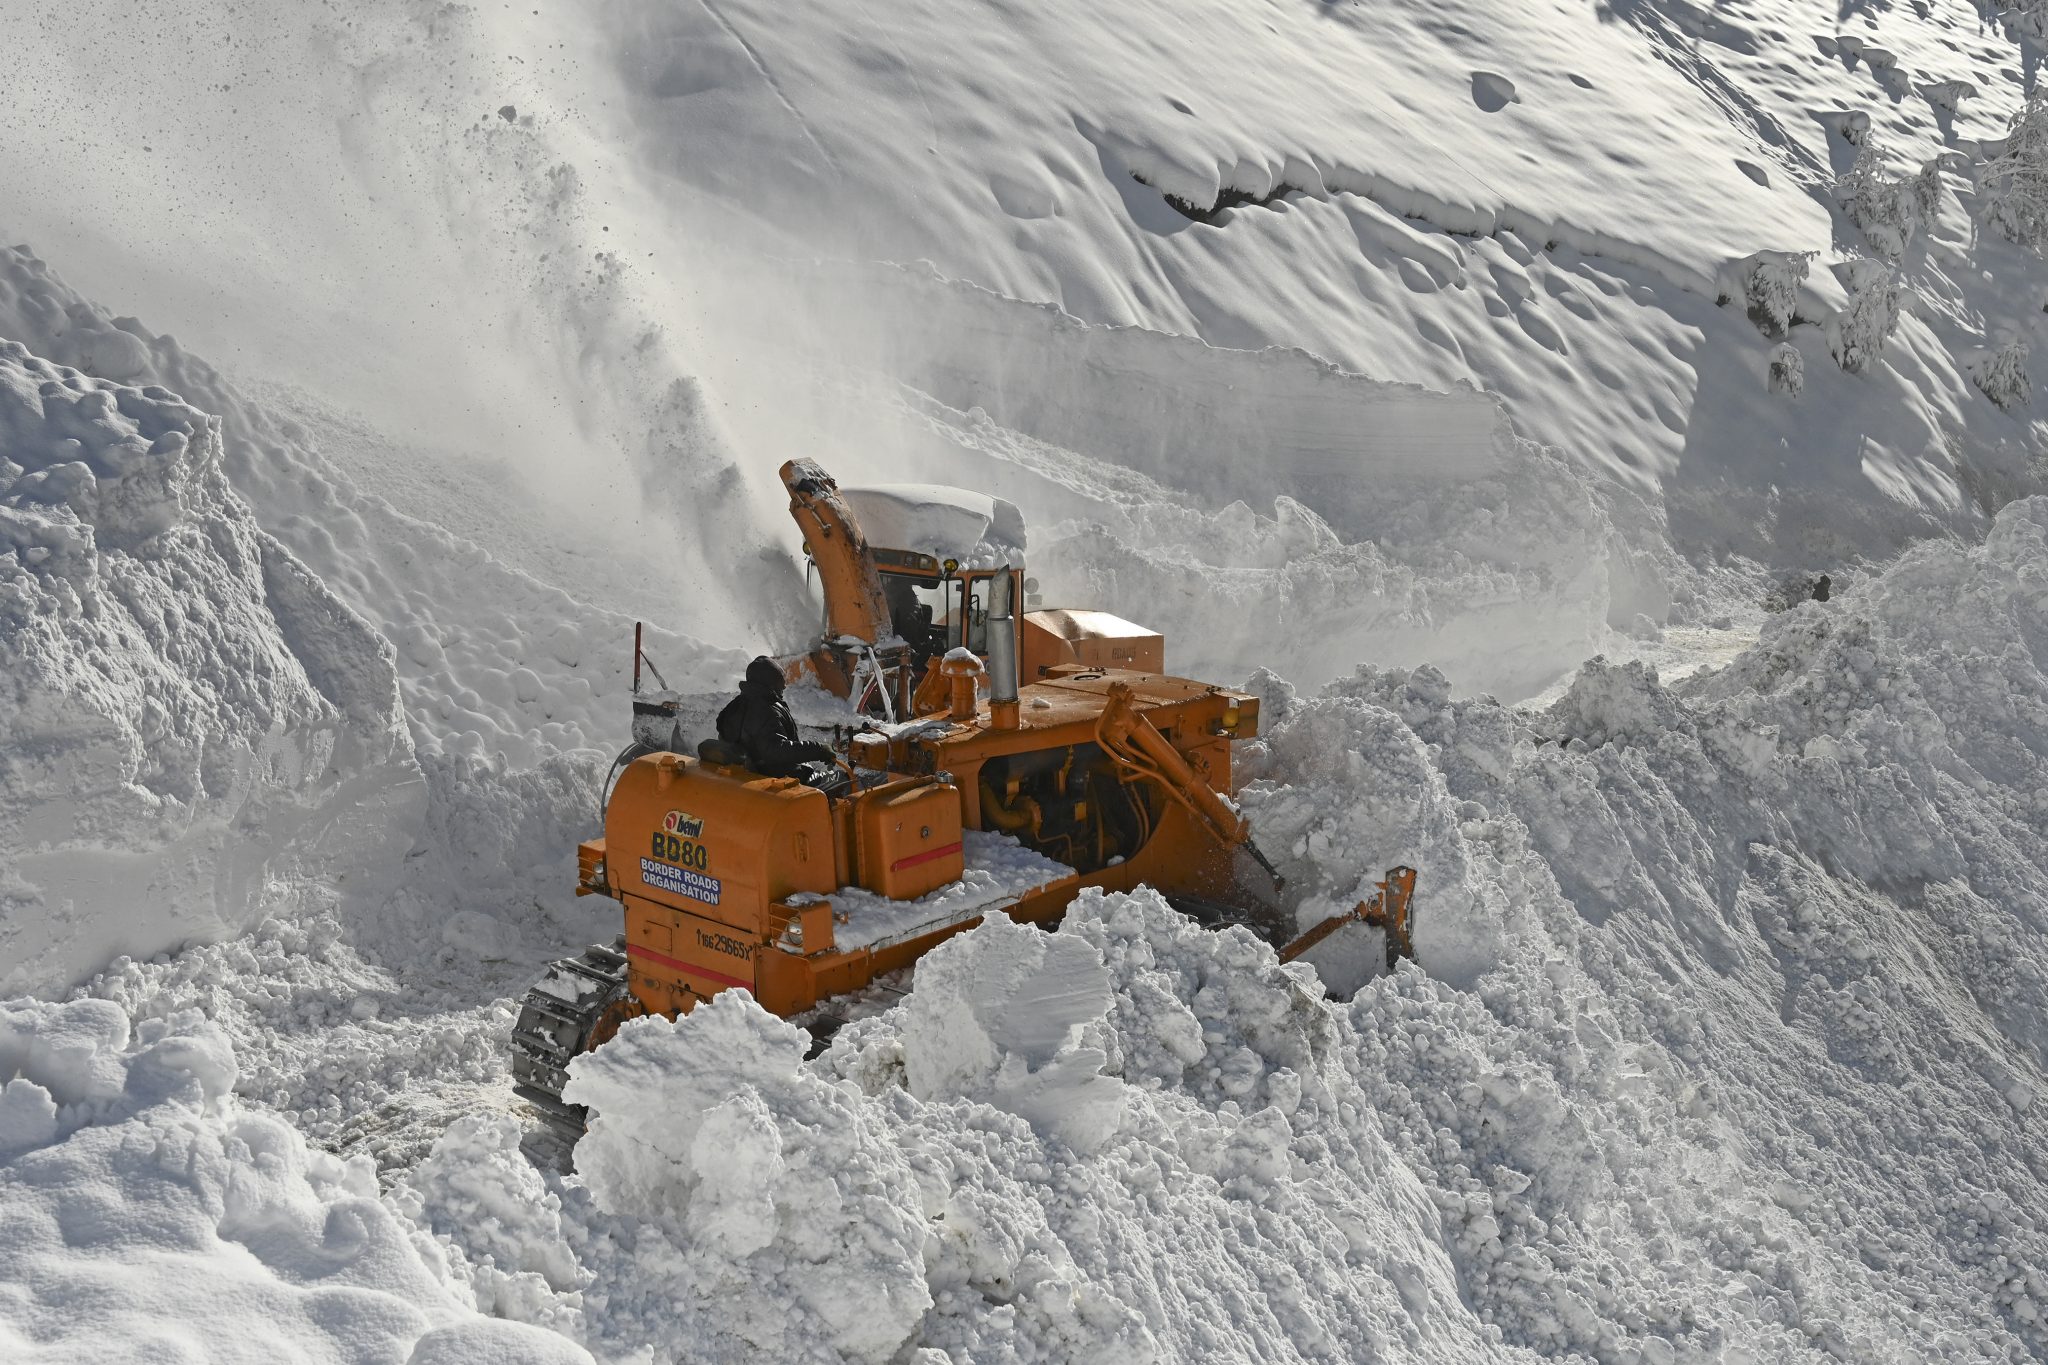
(914,859)
(635,950)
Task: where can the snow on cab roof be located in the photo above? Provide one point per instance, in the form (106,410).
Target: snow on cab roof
(934,519)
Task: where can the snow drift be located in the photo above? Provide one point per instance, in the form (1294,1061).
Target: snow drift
(150,1217)
(190,716)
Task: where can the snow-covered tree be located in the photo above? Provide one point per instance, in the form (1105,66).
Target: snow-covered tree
(2029,16)
(1923,190)
(2013,186)
(1788,370)
(1856,335)
(1890,210)
(1770,283)
(1948,96)
(2001,374)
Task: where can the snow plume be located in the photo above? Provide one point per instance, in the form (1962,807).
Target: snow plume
(190,713)
(509,684)
(415,226)
(149,1217)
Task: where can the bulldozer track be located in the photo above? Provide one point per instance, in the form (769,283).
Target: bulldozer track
(555,1023)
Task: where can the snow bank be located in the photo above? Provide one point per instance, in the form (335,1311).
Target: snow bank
(189,716)
(778,1210)
(1766,972)
(1259,504)
(150,1217)
(1128,1141)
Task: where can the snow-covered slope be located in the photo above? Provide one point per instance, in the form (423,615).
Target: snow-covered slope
(1455,340)
(1561,204)
(1551,200)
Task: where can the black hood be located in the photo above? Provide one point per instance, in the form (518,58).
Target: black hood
(765,674)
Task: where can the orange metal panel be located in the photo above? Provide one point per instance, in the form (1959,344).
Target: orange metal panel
(910,840)
(1091,638)
(716,842)
(672,955)
(590,869)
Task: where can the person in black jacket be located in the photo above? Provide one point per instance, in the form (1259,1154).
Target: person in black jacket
(758,720)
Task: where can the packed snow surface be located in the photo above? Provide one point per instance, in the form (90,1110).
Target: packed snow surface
(998,870)
(1398,357)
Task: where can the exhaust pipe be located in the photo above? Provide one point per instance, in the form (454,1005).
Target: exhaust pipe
(1002,654)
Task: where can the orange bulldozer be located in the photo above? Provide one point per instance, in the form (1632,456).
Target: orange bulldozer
(998,762)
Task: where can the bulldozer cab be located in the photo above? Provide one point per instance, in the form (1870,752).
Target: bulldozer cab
(934,606)
(936,611)
(909,572)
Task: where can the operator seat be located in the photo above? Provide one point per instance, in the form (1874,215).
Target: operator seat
(824,776)
(723,753)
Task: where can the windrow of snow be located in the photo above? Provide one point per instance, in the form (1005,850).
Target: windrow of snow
(188,716)
(1130,1141)
(1766,981)
(149,1217)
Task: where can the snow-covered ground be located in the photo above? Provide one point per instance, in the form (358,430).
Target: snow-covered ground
(1489,385)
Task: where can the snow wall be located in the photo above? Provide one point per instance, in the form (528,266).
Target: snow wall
(1256,504)
(191,719)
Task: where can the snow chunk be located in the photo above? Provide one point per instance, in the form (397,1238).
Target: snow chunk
(480,1191)
(792,1214)
(28,1117)
(149,1213)
(995,1016)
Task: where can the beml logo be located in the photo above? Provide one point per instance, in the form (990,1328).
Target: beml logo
(683,823)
